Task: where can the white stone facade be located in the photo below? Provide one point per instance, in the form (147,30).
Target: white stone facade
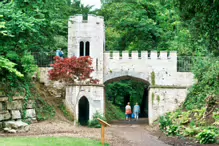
(94,94)
(169,85)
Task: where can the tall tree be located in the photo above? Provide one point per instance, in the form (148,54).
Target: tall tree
(202,19)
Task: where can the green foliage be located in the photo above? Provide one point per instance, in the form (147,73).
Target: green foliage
(116,91)
(26,99)
(179,123)
(216,116)
(113,112)
(202,19)
(206,137)
(66,112)
(164,122)
(95,123)
(191,131)
(206,73)
(44,111)
(158,98)
(27,27)
(173,130)
(153,96)
(48,141)
(28,64)
(9,66)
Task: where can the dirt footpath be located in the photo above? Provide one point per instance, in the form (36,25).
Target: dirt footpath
(135,135)
(119,134)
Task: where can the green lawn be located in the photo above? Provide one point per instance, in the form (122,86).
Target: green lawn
(47,141)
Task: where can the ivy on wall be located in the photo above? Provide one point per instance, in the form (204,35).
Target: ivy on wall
(153,78)
(153,98)
(158,98)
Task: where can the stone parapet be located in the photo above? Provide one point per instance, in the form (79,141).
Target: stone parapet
(162,55)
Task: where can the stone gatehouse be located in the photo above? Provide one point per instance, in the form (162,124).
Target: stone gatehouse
(167,90)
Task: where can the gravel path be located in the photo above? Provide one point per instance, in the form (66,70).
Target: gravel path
(116,135)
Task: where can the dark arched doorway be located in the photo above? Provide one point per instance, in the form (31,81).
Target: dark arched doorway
(83,111)
(121,90)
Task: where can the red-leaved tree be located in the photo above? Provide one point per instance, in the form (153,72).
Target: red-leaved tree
(72,70)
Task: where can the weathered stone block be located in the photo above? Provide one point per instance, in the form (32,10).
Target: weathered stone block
(30,104)
(18,97)
(3,99)
(30,113)
(4,115)
(15,124)
(13,105)
(8,130)
(16,114)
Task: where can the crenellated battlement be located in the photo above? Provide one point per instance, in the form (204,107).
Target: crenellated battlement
(79,18)
(146,55)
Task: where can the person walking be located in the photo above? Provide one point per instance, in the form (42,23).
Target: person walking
(136,110)
(128,111)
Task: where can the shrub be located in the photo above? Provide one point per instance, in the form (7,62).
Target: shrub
(113,112)
(173,130)
(206,137)
(164,122)
(43,110)
(95,123)
(191,131)
(66,112)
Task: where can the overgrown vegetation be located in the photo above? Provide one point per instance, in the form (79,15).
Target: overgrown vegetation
(95,123)
(66,112)
(201,124)
(199,116)
(113,112)
(117,91)
(44,111)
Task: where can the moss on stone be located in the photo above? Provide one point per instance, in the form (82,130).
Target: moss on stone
(153,78)
(153,98)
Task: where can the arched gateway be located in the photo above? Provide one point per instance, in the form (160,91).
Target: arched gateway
(167,88)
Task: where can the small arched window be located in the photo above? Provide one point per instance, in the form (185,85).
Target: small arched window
(81,48)
(87,49)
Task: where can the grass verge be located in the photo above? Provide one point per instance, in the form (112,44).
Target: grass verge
(48,141)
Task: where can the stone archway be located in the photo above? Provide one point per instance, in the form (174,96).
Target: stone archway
(144,99)
(83,110)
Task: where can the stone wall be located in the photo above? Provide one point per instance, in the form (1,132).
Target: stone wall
(13,110)
(164,67)
(44,75)
(164,99)
(94,94)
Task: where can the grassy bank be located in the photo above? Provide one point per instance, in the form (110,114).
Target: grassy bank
(47,141)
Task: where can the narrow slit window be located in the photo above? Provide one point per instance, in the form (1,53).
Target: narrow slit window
(81,48)
(87,51)
(96,64)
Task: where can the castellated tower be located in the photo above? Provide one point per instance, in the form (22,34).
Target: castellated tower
(86,37)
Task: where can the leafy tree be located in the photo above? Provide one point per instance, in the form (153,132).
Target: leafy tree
(207,74)
(72,70)
(118,91)
(5,64)
(140,25)
(202,19)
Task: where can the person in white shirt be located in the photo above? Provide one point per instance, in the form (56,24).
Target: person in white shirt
(128,111)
